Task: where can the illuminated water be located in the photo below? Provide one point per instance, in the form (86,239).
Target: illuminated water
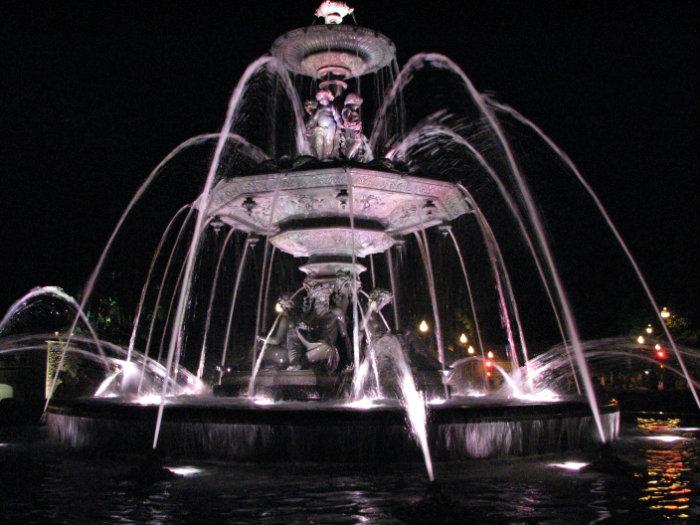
(40,482)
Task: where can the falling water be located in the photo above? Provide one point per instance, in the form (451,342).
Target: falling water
(394,288)
(239,275)
(202,211)
(261,355)
(445,63)
(425,253)
(562,155)
(212,296)
(144,290)
(355,314)
(161,287)
(467,282)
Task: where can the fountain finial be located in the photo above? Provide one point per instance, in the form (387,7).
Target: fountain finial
(333,12)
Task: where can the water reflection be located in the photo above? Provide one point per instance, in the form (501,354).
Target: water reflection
(668,489)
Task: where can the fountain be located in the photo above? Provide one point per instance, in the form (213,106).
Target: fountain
(301,185)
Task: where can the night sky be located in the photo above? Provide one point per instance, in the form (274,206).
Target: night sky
(95,94)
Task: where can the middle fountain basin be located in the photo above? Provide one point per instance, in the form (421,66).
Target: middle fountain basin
(308,213)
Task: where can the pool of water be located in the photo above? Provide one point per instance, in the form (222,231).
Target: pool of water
(42,482)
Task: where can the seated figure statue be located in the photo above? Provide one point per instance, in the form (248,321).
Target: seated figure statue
(322,324)
(278,353)
(353,144)
(323,126)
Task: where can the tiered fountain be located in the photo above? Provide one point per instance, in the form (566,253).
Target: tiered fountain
(331,376)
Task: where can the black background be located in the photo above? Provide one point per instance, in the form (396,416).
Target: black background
(94,94)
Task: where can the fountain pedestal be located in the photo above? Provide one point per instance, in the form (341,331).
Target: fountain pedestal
(280,384)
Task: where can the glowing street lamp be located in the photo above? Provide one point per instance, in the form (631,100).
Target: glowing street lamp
(423,327)
(490,354)
(470,350)
(278,308)
(463,339)
(665,314)
(649,329)
(657,347)
(640,339)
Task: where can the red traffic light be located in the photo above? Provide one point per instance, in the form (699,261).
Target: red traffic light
(661,354)
(488,363)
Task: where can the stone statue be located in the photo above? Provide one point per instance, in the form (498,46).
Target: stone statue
(374,324)
(333,11)
(324,322)
(323,126)
(353,144)
(278,352)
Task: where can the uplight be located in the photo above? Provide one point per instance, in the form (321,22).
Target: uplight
(569,465)
(184,471)
(665,438)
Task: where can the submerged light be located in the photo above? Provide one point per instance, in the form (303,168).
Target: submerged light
(184,471)
(666,438)
(570,465)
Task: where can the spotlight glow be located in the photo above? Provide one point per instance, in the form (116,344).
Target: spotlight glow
(545,395)
(569,465)
(665,438)
(364,404)
(185,471)
(149,399)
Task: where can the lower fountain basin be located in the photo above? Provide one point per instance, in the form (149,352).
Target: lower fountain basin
(326,431)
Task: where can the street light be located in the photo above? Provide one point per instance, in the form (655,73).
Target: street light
(423,327)
(649,329)
(463,339)
(278,308)
(470,350)
(665,314)
(490,354)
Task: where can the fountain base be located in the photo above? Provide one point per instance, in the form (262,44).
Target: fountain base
(260,430)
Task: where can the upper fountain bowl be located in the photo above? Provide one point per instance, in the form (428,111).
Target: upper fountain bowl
(343,50)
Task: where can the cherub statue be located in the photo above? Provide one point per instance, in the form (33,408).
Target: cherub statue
(353,144)
(323,126)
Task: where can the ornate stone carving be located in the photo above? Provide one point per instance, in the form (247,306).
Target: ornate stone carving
(393,202)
